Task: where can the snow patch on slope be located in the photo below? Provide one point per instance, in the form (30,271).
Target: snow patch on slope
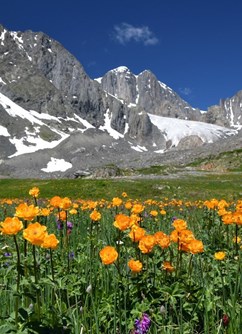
(107,126)
(57,165)
(175,129)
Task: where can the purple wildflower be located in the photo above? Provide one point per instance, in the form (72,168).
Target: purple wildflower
(69,225)
(142,325)
(59,224)
(7,254)
(71,255)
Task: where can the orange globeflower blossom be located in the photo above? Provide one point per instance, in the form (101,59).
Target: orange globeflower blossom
(44,212)
(154,213)
(108,255)
(55,201)
(137,208)
(35,233)
(50,241)
(65,203)
(11,226)
(158,235)
(179,224)
(237,218)
(167,266)
(128,205)
(95,215)
(136,233)
(211,204)
(122,222)
(227,218)
(134,220)
(34,192)
(219,256)
(62,215)
(135,265)
(164,242)
(146,243)
(27,212)
(73,211)
(116,201)
(163,212)
(124,194)
(196,246)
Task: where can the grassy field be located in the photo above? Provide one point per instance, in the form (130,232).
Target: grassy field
(188,187)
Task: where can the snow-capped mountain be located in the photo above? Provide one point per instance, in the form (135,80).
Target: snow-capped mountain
(56,120)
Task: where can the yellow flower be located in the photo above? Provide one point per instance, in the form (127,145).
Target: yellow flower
(164,242)
(35,233)
(50,241)
(124,194)
(122,222)
(236,241)
(34,192)
(219,256)
(73,211)
(108,255)
(11,226)
(153,213)
(95,215)
(128,205)
(27,212)
(135,265)
(117,201)
(44,212)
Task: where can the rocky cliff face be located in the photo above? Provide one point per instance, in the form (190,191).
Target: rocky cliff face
(146,93)
(51,112)
(228,112)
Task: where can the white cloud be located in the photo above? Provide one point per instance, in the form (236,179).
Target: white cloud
(125,33)
(185,91)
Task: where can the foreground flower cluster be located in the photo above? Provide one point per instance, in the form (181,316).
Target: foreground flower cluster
(120,266)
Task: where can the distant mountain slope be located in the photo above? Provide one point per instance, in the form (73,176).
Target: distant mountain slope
(55,120)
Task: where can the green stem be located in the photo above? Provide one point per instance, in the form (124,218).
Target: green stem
(36,282)
(18,279)
(52,266)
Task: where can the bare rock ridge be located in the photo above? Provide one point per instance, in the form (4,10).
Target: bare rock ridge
(56,120)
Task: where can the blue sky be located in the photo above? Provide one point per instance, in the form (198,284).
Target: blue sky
(195,47)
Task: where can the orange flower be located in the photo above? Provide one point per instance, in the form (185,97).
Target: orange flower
(11,226)
(65,203)
(137,208)
(136,233)
(163,212)
(73,211)
(153,213)
(179,224)
(227,218)
(117,201)
(128,205)
(164,242)
(50,241)
(108,255)
(135,266)
(159,235)
(34,192)
(146,243)
(55,201)
(167,266)
(27,212)
(95,215)
(196,246)
(44,212)
(124,194)
(62,215)
(122,222)
(219,256)
(35,233)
